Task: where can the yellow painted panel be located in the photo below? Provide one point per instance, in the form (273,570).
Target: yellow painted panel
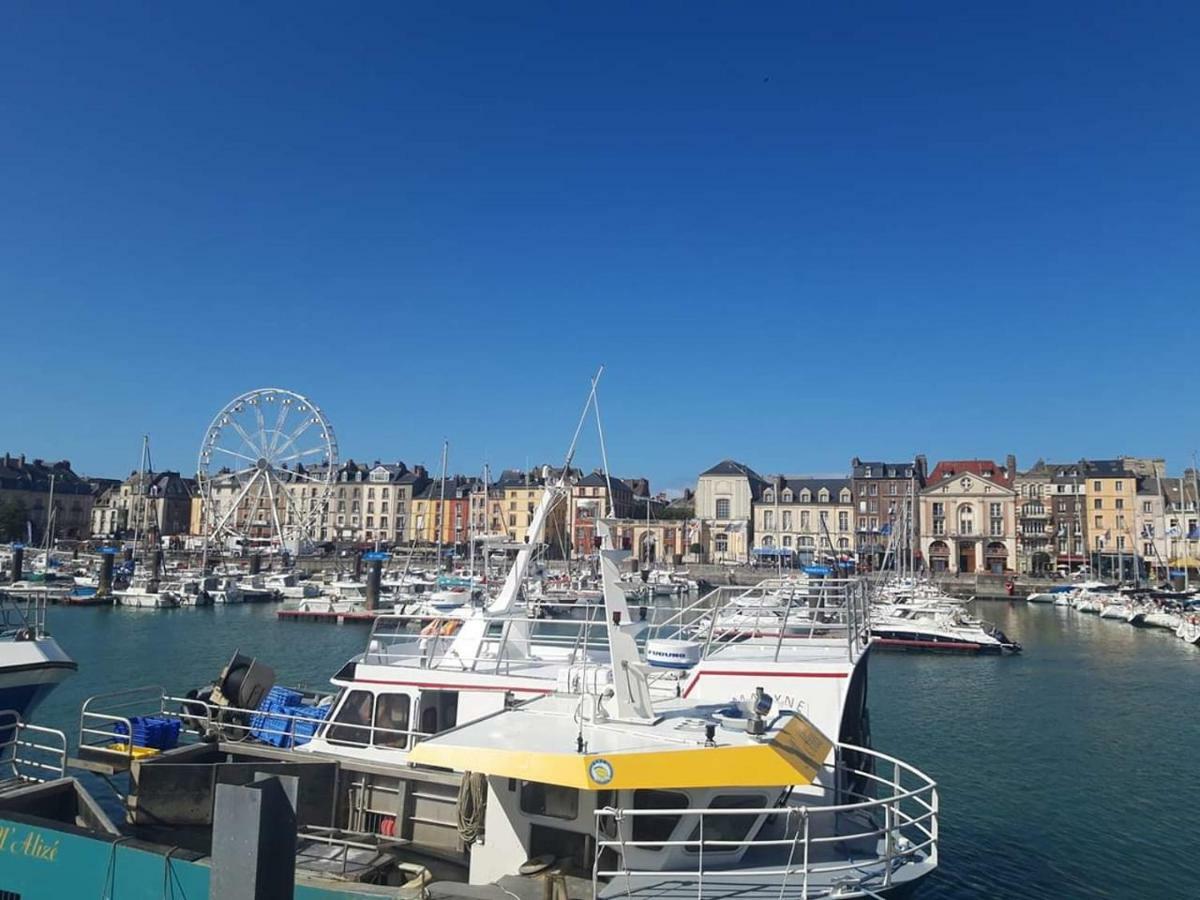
(794,756)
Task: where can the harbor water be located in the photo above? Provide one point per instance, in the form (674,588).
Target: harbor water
(1065,772)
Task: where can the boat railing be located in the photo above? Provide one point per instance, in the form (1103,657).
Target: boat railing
(883,816)
(106,725)
(23,615)
(418,640)
(781,611)
(29,754)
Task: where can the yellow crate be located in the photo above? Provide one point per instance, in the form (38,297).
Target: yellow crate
(138,752)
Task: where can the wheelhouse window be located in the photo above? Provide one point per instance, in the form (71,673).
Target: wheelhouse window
(392,713)
(352,723)
(656,827)
(727,828)
(552,800)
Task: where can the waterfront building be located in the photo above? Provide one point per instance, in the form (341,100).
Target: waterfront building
(590,501)
(520,494)
(1180,510)
(725,497)
(1111,515)
(803,519)
(969,513)
(1051,500)
(1151,525)
(25,499)
(1068,516)
(883,491)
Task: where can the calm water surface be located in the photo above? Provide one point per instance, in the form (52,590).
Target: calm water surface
(1066,772)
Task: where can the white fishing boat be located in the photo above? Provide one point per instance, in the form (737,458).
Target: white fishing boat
(145,595)
(289,587)
(1163,619)
(31,661)
(226,590)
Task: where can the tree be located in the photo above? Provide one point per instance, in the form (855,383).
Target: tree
(13,516)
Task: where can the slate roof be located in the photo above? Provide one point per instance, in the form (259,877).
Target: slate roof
(1106,468)
(735,468)
(951,468)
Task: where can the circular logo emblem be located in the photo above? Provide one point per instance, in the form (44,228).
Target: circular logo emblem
(600,771)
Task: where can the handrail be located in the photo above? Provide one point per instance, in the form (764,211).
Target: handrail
(908,832)
(29,751)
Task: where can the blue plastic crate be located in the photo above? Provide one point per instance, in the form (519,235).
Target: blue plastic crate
(302,730)
(275,730)
(157,732)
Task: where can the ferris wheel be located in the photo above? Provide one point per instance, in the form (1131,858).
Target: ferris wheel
(266,471)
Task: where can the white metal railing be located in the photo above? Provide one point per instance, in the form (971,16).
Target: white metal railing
(30,754)
(422,641)
(103,716)
(23,614)
(782,610)
(891,819)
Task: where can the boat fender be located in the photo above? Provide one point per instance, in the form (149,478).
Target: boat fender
(23,634)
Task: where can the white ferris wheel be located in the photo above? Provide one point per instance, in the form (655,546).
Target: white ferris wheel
(266,471)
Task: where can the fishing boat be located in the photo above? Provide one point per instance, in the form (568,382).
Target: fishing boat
(146,593)
(31,661)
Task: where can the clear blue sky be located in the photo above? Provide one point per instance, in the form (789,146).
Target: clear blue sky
(793,233)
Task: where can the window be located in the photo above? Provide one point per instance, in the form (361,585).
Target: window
(768,519)
(721,543)
(1120,486)
(1098,503)
(939,509)
(787,495)
(874,490)
(1099,521)
(1096,486)
(768,496)
(657,828)
(726,828)
(996,510)
(383,521)
(892,489)
(391,720)
(787,520)
(1120,521)
(787,540)
(352,723)
(823,496)
(1120,503)
(1120,542)
(843,521)
(804,520)
(723,508)
(1146,506)
(539,799)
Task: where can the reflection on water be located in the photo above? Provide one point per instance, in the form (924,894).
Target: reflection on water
(1065,772)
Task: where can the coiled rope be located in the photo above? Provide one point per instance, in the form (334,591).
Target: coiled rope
(472,801)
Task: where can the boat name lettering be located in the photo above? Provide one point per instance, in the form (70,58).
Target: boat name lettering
(29,844)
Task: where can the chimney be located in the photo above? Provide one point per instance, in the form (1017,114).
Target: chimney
(1010,464)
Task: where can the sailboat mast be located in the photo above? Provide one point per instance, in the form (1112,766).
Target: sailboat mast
(440,518)
(140,512)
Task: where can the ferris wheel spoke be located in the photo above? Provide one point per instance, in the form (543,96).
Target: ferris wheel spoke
(274,507)
(278,430)
(238,455)
(245,437)
(262,426)
(296,473)
(301,453)
(290,440)
(236,503)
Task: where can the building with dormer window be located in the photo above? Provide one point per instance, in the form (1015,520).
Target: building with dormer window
(968,517)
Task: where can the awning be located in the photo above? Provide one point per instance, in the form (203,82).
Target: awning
(773,551)
(1189,562)
(793,755)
